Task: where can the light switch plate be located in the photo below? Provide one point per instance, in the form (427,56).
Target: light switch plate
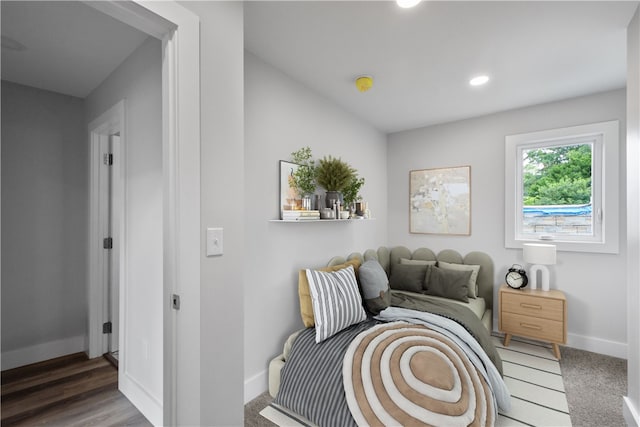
(214,241)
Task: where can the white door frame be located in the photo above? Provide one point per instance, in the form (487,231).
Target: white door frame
(179,30)
(108,123)
(117,276)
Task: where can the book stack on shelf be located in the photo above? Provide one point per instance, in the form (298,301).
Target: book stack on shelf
(300,215)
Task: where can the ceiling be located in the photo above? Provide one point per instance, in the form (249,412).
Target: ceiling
(421,58)
(65,47)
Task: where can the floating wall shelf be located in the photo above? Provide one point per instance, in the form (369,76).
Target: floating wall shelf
(319,220)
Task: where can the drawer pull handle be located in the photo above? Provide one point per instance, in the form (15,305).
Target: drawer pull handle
(530,326)
(532,306)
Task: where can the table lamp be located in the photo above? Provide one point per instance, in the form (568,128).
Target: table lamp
(540,255)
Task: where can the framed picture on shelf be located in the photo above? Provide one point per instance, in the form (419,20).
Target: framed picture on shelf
(440,201)
(288,194)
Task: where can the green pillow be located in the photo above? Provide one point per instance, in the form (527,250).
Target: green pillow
(405,277)
(452,284)
(473,286)
(375,286)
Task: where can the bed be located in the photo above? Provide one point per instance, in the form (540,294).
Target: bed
(419,352)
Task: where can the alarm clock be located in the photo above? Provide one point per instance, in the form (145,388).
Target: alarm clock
(516,277)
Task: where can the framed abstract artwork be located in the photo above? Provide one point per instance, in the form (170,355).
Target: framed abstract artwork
(440,201)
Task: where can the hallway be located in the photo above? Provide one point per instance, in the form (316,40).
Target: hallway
(67,391)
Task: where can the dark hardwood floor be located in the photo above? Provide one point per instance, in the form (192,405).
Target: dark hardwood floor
(67,391)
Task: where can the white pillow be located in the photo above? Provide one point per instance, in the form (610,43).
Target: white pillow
(336,301)
(473,286)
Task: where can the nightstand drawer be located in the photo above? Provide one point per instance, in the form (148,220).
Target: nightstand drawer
(533,327)
(529,305)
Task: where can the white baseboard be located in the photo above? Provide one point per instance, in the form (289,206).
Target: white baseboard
(43,351)
(594,345)
(631,415)
(598,345)
(146,403)
(255,386)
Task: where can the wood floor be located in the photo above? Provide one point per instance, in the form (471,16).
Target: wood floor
(67,391)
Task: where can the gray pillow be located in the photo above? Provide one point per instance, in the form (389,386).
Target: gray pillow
(375,286)
(405,277)
(473,286)
(452,284)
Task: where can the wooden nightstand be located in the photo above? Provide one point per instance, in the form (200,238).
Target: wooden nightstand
(537,314)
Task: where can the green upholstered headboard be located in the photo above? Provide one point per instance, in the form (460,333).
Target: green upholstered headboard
(389,256)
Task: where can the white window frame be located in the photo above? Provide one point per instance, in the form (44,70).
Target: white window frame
(604,137)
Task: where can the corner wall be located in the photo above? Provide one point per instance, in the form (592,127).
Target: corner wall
(44,221)
(595,284)
(632,400)
(222,174)
(282,116)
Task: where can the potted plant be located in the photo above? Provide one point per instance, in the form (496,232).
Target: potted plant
(350,192)
(334,175)
(303,178)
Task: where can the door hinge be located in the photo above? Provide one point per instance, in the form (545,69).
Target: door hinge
(175,302)
(106,328)
(108,159)
(107,243)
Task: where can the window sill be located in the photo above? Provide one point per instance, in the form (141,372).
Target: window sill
(569,246)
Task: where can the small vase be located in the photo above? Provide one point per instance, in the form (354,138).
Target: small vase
(352,210)
(333,197)
(306,203)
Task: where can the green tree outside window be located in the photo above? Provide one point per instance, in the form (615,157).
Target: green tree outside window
(557,175)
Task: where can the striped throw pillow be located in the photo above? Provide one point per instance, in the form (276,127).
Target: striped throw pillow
(336,301)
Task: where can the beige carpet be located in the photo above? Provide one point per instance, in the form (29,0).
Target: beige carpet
(594,384)
(252,410)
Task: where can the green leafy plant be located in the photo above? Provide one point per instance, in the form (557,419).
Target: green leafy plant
(304,177)
(333,174)
(557,175)
(350,192)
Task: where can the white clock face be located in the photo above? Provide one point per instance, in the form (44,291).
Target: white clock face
(514,279)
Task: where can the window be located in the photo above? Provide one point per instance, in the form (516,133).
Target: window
(561,185)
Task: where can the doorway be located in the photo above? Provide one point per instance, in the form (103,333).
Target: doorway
(178,29)
(105,207)
(106,269)
(179,182)
(111,158)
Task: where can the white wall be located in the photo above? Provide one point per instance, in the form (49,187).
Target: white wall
(222,205)
(594,283)
(138,80)
(282,116)
(44,218)
(632,400)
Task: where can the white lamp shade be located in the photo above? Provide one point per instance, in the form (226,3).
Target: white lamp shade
(538,253)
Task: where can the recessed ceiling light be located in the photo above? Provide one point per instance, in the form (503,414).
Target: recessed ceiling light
(407,3)
(479,80)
